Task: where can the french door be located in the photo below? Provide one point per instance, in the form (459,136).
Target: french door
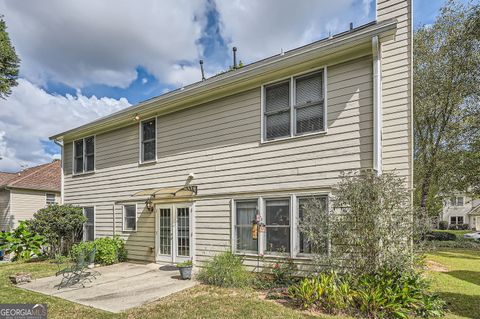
(173,232)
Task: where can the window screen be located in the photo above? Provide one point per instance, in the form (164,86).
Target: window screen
(50,199)
(129,217)
(309,105)
(89,154)
(277,110)
(305,247)
(245,212)
(278,225)
(78,156)
(148,141)
(89,226)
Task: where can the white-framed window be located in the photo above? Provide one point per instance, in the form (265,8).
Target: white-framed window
(456,220)
(50,199)
(84,155)
(280,217)
(277,224)
(304,246)
(148,140)
(456,201)
(245,215)
(89,226)
(130,217)
(295,106)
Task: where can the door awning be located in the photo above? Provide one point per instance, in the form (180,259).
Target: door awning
(183,191)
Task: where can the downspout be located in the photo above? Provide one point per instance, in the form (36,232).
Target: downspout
(377,106)
(62,175)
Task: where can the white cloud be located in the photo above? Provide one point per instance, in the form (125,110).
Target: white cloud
(30,115)
(262,28)
(103,42)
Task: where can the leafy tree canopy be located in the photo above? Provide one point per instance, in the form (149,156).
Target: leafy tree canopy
(9,62)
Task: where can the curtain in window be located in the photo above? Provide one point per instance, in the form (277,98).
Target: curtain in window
(245,215)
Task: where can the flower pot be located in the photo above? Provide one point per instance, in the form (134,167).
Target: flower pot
(185,272)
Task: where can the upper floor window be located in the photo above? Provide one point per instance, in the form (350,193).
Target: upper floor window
(84,155)
(456,201)
(50,199)
(148,148)
(295,106)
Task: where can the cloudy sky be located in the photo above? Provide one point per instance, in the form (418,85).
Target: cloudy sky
(85,59)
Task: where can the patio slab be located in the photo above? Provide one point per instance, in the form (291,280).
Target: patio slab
(119,287)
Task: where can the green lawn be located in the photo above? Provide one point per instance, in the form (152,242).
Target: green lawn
(458,284)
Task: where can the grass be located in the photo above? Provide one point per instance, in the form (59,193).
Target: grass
(458,284)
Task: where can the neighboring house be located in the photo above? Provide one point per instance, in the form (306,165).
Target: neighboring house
(461,209)
(183,175)
(22,194)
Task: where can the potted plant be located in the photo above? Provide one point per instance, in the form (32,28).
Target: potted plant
(185,269)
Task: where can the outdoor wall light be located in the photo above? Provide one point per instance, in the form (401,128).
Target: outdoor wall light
(136,117)
(149,205)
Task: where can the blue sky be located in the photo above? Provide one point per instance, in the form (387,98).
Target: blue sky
(83,61)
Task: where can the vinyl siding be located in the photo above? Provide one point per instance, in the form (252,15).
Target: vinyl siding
(220,142)
(397,135)
(25,203)
(5,222)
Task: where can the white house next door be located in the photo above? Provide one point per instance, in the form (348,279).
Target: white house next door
(174,233)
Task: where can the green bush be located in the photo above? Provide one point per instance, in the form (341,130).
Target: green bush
(225,270)
(386,294)
(23,243)
(459,243)
(62,226)
(443,225)
(441,235)
(108,250)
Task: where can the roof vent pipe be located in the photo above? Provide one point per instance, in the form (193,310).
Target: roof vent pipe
(234,57)
(201,68)
(351,26)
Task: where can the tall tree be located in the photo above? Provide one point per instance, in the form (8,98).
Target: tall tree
(446,103)
(9,62)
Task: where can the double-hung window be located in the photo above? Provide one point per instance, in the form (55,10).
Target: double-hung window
(245,214)
(456,220)
(130,217)
(148,148)
(277,222)
(89,226)
(456,201)
(84,155)
(295,106)
(50,199)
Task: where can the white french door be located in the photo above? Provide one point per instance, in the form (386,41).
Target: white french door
(174,233)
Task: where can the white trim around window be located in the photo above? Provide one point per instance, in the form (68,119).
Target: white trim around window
(293,214)
(141,142)
(84,156)
(48,198)
(291,80)
(124,228)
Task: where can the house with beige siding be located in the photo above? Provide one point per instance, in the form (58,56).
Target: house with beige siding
(23,193)
(461,209)
(185,175)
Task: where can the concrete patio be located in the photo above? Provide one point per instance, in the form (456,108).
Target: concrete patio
(119,287)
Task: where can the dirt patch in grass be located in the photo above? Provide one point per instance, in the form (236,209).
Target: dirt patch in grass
(435,266)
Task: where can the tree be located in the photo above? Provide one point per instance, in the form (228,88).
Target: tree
(9,62)
(61,225)
(446,78)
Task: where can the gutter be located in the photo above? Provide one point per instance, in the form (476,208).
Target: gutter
(62,175)
(238,77)
(377,105)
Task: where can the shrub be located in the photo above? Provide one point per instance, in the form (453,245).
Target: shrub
(385,294)
(108,250)
(459,243)
(225,270)
(443,225)
(62,226)
(441,235)
(459,227)
(283,272)
(23,243)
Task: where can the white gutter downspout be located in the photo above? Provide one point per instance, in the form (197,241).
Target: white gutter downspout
(377,106)
(62,176)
